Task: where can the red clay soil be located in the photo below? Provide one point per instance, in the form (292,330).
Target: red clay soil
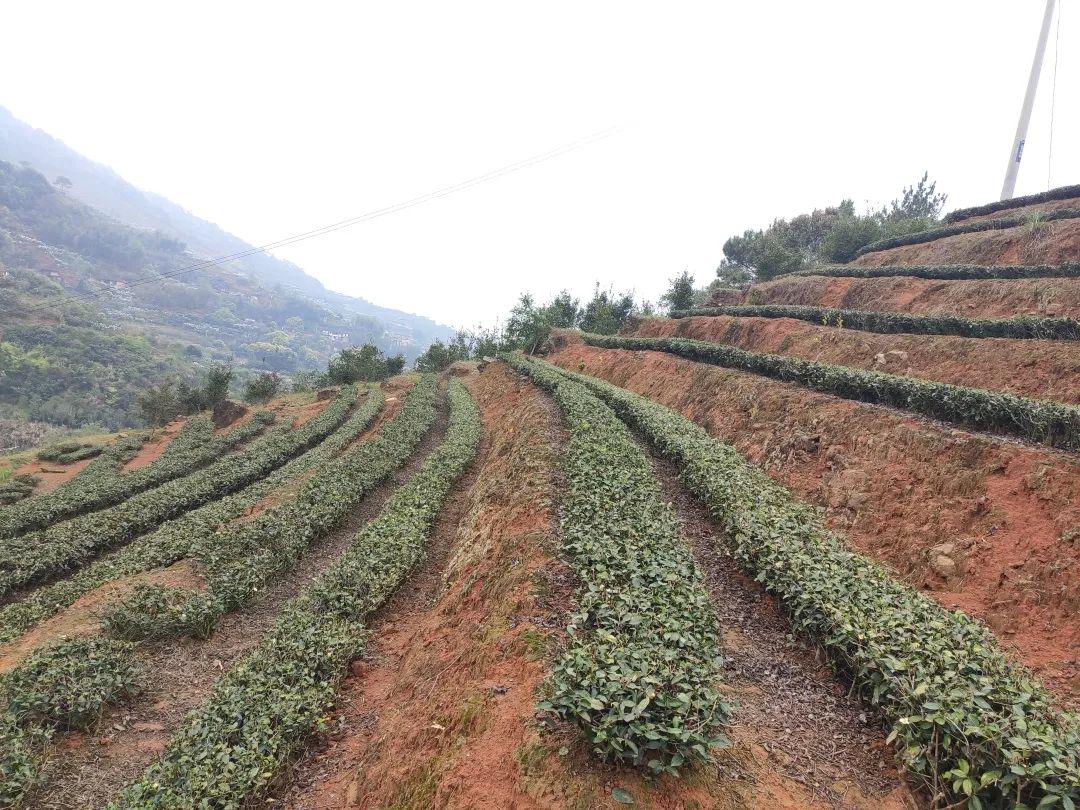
(394,390)
(997,298)
(1034,368)
(50,474)
(981,524)
(441,711)
(153,448)
(1050,243)
(444,690)
(82,617)
(1023,210)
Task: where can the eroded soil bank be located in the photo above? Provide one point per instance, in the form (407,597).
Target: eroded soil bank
(1034,368)
(994,298)
(1047,243)
(985,525)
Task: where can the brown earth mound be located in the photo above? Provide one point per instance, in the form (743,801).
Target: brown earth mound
(226,412)
(1047,243)
(1048,297)
(1035,368)
(1023,210)
(982,524)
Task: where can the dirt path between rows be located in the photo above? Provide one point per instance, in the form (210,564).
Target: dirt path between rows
(799,739)
(440,712)
(87,770)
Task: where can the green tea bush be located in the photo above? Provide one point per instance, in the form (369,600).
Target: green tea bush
(109,462)
(106,490)
(261,713)
(175,539)
(897,322)
(241,559)
(32,557)
(642,665)
(949,272)
(971,724)
(1036,420)
(160,611)
(17,487)
(64,686)
(67,685)
(933,234)
(380,556)
(1061,193)
(69,452)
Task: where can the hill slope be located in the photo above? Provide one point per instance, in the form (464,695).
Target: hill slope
(100,187)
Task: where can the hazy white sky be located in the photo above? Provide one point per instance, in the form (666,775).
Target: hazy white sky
(273,118)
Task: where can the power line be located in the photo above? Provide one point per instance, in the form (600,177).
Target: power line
(370,215)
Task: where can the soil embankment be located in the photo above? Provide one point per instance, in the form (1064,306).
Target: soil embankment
(1005,298)
(1053,242)
(1043,369)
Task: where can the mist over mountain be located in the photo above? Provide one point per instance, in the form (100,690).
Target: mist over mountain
(103,189)
(102,294)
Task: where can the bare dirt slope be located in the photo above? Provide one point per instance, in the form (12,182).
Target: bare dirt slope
(1050,297)
(1047,243)
(1024,210)
(1034,368)
(982,524)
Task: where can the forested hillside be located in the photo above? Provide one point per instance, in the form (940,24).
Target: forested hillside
(101,188)
(94,311)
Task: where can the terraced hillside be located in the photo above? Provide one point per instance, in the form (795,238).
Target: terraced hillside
(746,557)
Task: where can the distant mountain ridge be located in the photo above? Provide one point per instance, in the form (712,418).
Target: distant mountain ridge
(103,189)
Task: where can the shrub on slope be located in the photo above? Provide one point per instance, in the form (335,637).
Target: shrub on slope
(176,538)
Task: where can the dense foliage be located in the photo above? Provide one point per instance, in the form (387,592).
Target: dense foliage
(62,547)
(283,689)
(933,234)
(163,402)
(70,451)
(440,356)
(950,272)
(831,234)
(175,539)
(964,719)
(239,560)
(104,487)
(16,488)
(361,364)
(1061,193)
(1036,420)
(63,686)
(642,665)
(680,293)
(263,387)
(898,322)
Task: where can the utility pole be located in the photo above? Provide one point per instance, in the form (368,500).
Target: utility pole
(1009,187)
